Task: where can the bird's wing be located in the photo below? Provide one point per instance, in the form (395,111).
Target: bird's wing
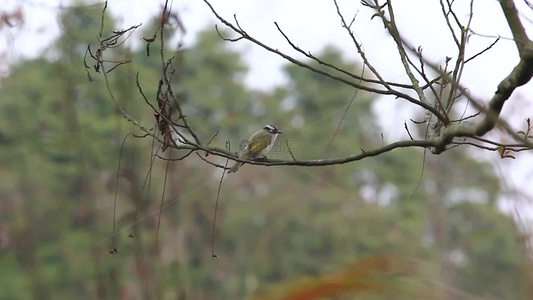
(259,144)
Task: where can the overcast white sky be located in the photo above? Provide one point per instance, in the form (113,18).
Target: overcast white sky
(313,24)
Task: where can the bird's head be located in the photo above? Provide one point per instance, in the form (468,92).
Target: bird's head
(271,129)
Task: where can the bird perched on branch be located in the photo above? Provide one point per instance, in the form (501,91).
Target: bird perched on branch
(257,145)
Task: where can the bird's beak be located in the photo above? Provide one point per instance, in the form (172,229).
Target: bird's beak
(280,132)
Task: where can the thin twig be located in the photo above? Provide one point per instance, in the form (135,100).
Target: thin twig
(343,116)
(213,137)
(322,62)
(324,73)
(289,149)
(161,204)
(148,177)
(447,18)
(407,129)
(116,183)
(175,159)
(465,118)
(359,48)
(483,51)
(228,147)
(211,163)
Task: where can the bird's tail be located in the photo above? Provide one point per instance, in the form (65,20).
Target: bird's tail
(235,167)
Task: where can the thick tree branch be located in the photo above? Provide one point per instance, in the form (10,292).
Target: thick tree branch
(315,162)
(519,33)
(520,75)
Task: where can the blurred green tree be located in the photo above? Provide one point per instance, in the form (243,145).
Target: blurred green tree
(61,134)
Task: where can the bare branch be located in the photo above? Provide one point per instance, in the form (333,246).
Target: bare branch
(177,158)
(460,61)
(289,149)
(168,104)
(359,47)
(211,139)
(446,15)
(407,129)
(465,118)
(522,73)
(212,163)
(396,93)
(523,43)
(422,73)
(395,34)
(501,147)
(483,51)
(119,107)
(228,39)
(317,162)
(216,204)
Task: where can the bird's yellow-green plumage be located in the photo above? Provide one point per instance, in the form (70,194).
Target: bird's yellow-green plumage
(257,145)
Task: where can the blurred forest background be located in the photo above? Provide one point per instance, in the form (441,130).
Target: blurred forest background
(281,231)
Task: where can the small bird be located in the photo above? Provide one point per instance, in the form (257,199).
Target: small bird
(257,145)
